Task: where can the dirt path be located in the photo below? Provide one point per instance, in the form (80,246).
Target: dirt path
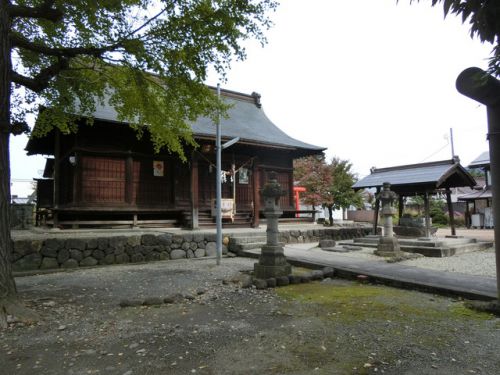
(330,327)
(480,234)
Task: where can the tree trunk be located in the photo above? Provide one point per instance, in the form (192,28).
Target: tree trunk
(8,294)
(330,215)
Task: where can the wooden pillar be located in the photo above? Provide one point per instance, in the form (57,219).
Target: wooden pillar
(256,193)
(377,205)
(427,215)
(57,173)
(194,191)
(290,189)
(450,212)
(467,215)
(129,179)
(400,208)
(77,177)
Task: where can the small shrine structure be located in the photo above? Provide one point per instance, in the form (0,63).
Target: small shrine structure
(424,179)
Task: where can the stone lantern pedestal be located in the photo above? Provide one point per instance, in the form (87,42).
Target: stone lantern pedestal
(272,261)
(388,245)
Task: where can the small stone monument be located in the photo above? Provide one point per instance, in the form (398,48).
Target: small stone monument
(272,261)
(388,245)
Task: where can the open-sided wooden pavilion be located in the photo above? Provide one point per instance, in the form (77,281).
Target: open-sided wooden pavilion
(103,174)
(424,179)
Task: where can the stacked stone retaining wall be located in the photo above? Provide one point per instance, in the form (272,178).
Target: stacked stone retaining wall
(53,253)
(334,233)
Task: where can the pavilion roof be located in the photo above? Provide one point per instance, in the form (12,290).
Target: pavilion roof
(419,178)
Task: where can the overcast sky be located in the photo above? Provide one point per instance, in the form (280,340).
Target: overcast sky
(373,81)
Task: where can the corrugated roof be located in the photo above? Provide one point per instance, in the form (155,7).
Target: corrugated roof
(434,174)
(481,161)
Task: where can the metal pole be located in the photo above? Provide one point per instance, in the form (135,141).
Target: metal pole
(451,142)
(494,143)
(218,190)
(233,172)
(476,84)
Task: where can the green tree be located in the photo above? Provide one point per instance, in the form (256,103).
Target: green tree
(328,185)
(483,17)
(147,58)
(313,173)
(341,194)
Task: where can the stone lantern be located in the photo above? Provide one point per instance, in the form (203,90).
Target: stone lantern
(272,261)
(388,245)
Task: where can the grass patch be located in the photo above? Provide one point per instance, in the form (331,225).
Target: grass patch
(352,303)
(459,310)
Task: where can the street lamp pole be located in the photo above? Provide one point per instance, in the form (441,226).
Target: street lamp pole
(218,190)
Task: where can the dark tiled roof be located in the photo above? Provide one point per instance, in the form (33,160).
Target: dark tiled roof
(246,119)
(475,195)
(249,122)
(416,177)
(481,161)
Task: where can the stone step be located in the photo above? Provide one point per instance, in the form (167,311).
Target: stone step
(251,245)
(430,248)
(447,251)
(249,238)
(239,244)
(419,242)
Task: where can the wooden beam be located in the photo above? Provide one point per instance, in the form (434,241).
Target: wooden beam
(450,212)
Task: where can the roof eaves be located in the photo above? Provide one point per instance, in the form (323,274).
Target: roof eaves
(413,166)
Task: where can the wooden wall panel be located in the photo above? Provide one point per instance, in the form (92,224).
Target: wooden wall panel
(150,190)
(103,180)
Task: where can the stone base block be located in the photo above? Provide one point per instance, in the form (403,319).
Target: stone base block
(388,247)
(266,272)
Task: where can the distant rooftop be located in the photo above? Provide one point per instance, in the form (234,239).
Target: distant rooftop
(418,178)
(481,161)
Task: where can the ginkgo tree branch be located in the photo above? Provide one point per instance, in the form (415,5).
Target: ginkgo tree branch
(44,11)
(19,41)
(41,81)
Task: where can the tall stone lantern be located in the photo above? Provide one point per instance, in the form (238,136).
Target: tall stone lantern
(272,261)
(388,245)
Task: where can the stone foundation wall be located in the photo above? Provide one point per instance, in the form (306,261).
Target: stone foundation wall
(81,252)
(53,253)
(313,235)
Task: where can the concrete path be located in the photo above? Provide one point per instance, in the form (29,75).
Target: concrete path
(468,286)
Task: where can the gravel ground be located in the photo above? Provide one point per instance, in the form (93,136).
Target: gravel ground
(215,326)
(481,263)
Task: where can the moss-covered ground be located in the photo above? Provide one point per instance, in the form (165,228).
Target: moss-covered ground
(371,328)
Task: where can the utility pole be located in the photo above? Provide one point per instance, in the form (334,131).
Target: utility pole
(485,89)
(451,142)
(218,191)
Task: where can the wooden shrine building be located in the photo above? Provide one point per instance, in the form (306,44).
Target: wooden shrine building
(424,179)
(104,175)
